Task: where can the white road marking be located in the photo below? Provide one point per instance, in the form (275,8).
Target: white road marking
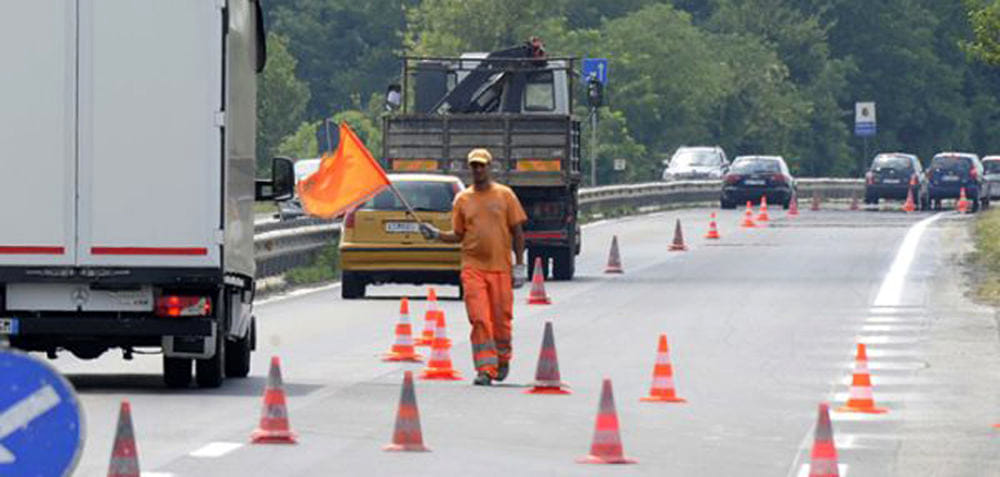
(216,449)
(891,291)
(22,413)
(297,293)
(804,470)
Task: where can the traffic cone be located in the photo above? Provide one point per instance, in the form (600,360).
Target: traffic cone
(537,295)
(439,366)
(748,217)
(678,244)
(854,203)
(823,460)
(793,205)
(860,398)
(124,456)
(713,228)
(606,447)
(273,428)
(763,217)
(962,206)
(402,349)
(815,202)
(407,436)
(426,337)
(909,206)
(663,377)
(614,259)
(547,379)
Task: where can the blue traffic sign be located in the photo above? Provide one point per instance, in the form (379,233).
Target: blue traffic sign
(864,129)
(41,425)
(596,67)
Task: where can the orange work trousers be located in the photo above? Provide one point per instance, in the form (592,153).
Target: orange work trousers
(489,302)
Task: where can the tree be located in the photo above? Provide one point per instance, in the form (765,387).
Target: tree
(984,16)
(451,27)
(281,99)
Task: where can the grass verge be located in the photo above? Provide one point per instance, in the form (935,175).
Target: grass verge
(265,208)
(987,256)
(324,269)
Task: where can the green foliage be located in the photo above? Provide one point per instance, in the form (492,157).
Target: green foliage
(984,16)
(301,143)
(987,256)
(323,269)
(281,100)
(451,27)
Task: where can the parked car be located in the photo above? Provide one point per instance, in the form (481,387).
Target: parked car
(292,208)
(753,177)
(890,177)
(381,243)
(991,168)
(950,172)
(689,163)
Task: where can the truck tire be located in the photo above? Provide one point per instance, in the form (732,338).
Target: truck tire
(176,372)
(209,373)
(238,353)
(351,286)
(563,265)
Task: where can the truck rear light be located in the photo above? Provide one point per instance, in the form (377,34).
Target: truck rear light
(349,220)
(183,305)
(732,178)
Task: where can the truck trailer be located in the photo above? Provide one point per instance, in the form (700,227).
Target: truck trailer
(127,181)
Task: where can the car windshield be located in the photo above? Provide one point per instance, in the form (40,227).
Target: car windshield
(756,165)
(951,163)
(992,167)
(891,162)
(694,159)
(431,196)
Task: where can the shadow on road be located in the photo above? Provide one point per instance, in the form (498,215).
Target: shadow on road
(153,384)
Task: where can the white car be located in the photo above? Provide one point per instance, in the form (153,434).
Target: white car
(693,163)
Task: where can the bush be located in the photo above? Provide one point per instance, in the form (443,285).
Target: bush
(324,268)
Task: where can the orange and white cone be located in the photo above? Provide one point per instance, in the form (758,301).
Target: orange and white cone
(124,456)
(426,337)
(909,206)
(547,378)
(678,244)
(439,366)
(614,259)
(793,205)
(537,295)
(713,229)
(606,447)
(274,428)
(962,206)
(854,203)
(402,349)
(815,202)
(860,397)
(748,217)
(406,437)
(823,459)
(663,376)
(763,217)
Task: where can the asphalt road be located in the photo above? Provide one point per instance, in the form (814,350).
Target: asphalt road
(762,327)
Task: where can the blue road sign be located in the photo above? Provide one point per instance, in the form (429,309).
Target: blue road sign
(41,425)
(596,67)
(864,129)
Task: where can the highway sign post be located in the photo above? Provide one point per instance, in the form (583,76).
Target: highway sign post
(41,423)
(596,68)
(864,119)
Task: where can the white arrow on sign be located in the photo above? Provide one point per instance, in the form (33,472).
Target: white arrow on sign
(22,413)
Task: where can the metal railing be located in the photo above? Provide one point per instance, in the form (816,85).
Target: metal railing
(282,246)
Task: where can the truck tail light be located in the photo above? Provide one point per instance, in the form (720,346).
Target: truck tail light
(183,305)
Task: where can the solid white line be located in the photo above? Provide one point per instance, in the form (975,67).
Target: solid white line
(891,291)
(216,449)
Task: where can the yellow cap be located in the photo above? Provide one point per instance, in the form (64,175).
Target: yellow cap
(481,156)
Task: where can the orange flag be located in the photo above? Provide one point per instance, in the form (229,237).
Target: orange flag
(344,180)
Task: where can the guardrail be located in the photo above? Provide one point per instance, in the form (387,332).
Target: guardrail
(281,246)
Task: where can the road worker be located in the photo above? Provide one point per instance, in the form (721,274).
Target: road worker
(487,219)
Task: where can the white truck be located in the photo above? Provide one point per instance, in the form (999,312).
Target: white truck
(127,182)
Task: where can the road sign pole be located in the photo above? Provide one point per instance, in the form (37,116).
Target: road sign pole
(593,146)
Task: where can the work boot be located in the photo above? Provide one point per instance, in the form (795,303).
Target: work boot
(502,371)
(483,379)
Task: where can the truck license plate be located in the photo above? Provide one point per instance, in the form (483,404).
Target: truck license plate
(402,227)
(8,326)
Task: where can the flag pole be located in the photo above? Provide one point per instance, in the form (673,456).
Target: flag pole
(409,208)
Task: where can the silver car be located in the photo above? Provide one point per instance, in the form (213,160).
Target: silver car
(691,163)
(991,176)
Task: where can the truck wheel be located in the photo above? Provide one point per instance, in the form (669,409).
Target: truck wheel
(531,264)
(351,286)
(238,353)
(210,372)
(563,265)
(176,372)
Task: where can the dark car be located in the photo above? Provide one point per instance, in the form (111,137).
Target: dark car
(693,163)
(890,177)
(950,172)
(753,177)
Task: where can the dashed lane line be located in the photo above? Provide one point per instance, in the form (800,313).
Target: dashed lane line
(215,449)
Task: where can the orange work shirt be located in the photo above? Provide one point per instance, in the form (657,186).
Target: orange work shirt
(484,219)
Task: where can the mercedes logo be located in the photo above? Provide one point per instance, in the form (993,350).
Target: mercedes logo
(80,296)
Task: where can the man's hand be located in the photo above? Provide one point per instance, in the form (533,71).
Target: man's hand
(429,231)
(519,275)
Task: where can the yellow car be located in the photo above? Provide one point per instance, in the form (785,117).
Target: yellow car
(381,243)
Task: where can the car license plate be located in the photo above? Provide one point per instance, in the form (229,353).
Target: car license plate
(890,181)
(950,178)
(402,227)
(754,182)
(8,326)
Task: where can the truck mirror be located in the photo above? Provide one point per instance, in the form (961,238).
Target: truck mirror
(280,186)
(393,97)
